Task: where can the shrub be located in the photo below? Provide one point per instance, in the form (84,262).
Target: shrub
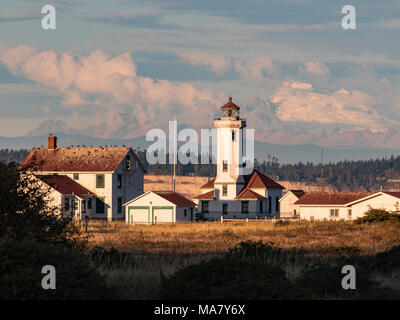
(21,277)
(229,278)
(375,215)
(25,212)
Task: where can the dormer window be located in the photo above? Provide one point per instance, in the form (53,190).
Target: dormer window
(128,162)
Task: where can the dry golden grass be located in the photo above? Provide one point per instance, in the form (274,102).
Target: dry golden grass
(190,186)
(319,238)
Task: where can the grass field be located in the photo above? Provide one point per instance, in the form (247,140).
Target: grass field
(156,250)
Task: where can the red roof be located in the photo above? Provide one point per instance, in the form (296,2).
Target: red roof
(259,180)
(206,196)
(393,193)
(249,194)
(76,159)
(230,105)
(209,184)
(175,198)
(326,198)
(65,185)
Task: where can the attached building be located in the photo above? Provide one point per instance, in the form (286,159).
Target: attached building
(114,174)
(345,205)
(159,207)
(288,208)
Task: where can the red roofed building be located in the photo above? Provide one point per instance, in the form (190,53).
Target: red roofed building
(344,205)
(154,207)
(114,174)
(234,193)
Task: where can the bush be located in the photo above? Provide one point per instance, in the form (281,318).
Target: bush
(25,212)
(21,277)
(229,278)
(375,215)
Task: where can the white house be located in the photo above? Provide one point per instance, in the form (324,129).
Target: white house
(345,205)
(114,174)
(159,207)
(67,196)
(288,208)
(231,194)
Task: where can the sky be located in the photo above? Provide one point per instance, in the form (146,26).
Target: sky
(119,68)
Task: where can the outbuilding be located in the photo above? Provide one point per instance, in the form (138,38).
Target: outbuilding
(345,205)
(288,208)
(154,207)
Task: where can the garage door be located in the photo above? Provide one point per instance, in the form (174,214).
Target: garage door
(139,215)
(162,215)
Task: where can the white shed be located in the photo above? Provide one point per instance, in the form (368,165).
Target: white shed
(159,207)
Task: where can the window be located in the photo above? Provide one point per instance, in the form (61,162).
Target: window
(100,181)
(224,189)
(185,212)
(224,209)
(245,207)
(349,213)
(89,203)
(233,135)
(100,205)
(224,166)
(205,206)
(277,204)
(83,206)
(76,204)
(76,176)
(261,206)
(119,181)
(128,162)
(334,212)
(119,205)
(269,204)
(294,212)
(66,204)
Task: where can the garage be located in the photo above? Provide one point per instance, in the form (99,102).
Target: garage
(139,214)
(158,207)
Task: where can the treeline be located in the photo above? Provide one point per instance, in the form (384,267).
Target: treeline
(368,175)
(10,155)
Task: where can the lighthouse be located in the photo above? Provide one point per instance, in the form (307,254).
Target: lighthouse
(234,193)
(229,180)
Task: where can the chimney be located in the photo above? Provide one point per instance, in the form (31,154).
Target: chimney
(52,142)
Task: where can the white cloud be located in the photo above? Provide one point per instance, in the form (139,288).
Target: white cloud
(300,102)
(112,84)
(315,67)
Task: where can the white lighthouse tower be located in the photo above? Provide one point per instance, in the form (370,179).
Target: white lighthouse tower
(229,180)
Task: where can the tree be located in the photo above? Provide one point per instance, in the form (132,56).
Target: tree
(25,211)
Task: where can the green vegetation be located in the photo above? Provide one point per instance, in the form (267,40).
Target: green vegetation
(254,270)
(21,277)
(377,215)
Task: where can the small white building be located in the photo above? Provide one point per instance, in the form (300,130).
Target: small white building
(114,174)
(154,207)
(288,208)
(345,205)
(234,193)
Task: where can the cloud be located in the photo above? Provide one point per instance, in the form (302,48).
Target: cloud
(250,69)
(300,102)
(112,85)
(21,16)
(315,67)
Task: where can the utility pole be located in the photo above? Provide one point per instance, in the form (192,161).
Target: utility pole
(322,169)
(174,153)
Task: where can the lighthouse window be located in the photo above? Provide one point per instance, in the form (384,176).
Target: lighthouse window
(233,135)
(224,166)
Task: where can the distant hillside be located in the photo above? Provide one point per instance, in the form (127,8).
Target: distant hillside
(285,153)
